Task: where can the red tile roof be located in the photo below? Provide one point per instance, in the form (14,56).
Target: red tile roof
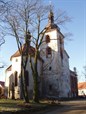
(82,85)
(17,53)
(31,52)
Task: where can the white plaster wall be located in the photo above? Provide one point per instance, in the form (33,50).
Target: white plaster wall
(17,91)
(65,84)
(54,60)
(52,77)
(59,68)
(54,82)
(53,43)
(53,40)
(7,75)
(16,65)
(39,68)
(82,92)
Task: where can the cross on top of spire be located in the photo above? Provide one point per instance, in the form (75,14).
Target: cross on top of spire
(51,24)
(51,15)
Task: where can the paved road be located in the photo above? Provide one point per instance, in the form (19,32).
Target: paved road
(71,107)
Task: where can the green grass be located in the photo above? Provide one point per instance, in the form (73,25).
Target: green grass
(10,105)
(18,105)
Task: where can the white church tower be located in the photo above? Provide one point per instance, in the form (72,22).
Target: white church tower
(56,73)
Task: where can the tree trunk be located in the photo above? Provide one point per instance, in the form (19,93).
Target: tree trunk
(35,78)
(35,89)
(25,88)
(23,82)
(13,96)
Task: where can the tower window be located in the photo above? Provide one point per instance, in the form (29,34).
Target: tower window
(48,52)
(47,39)
(50,68)
(10,81)
(16,60)
(50,87)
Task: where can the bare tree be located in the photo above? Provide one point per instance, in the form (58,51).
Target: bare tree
(2,35)
(2,40)
(26,21)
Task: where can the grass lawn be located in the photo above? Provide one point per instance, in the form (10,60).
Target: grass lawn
(10,105)
(18,105)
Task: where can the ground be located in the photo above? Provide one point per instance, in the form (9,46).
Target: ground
(68,107)
(63,107)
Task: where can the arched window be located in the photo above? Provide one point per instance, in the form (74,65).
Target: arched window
(48,52)
(27,78)
(47,38)
(10,81)
(50,68)
(50,87)
(16,78)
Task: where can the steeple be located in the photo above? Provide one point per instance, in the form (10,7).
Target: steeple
(51,24)
(51,17)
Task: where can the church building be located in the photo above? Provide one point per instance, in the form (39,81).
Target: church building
(53,67)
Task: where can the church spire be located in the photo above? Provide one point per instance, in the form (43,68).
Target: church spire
(51,24)
(51,17)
